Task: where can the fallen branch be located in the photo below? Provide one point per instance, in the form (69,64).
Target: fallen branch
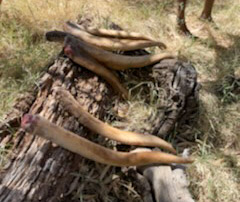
(85,118)
(39,126)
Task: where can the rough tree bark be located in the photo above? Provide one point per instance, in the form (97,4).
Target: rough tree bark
(40,171)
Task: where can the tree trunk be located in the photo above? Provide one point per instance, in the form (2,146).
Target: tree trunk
(41,171)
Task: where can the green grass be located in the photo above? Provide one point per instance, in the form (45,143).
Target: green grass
(3,156)
(23,55)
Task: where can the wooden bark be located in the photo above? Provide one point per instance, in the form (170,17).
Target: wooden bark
(170,185)
(40,171)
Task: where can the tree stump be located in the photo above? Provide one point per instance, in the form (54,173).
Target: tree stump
(38,170)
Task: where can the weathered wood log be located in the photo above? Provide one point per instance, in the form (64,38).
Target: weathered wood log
(170,185)
(13,118)
(41,171)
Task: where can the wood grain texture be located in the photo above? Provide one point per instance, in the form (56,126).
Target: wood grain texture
(168,185)
(41,171)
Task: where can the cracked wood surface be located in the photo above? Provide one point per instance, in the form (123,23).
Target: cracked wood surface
(40,171)
(170,185)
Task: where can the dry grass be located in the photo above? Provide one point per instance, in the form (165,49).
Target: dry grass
(23,52)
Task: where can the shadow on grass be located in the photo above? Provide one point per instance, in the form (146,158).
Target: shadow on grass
(226,86)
